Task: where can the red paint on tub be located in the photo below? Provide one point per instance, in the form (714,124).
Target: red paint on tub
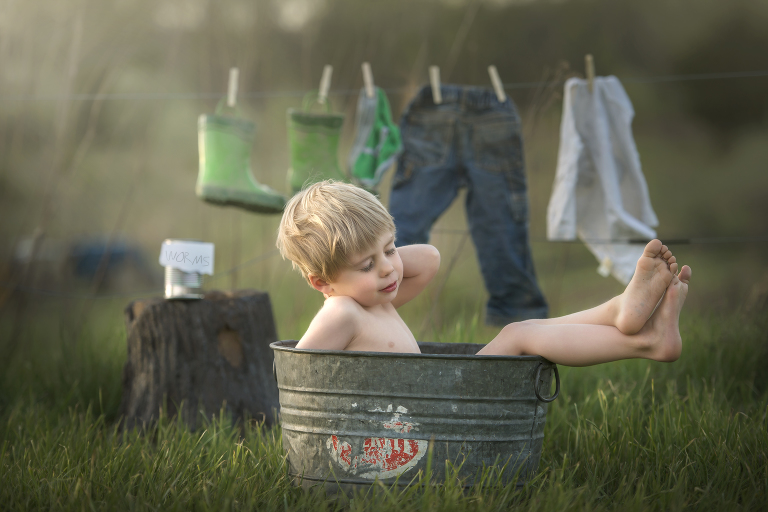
(388,454)
(380,454)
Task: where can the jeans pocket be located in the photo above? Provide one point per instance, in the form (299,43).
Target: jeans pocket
(404,171)
(426,138)
(497,146)
(518,205)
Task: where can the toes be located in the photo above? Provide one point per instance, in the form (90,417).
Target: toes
(673,266)
(653,248)
(685,274)
(669,259)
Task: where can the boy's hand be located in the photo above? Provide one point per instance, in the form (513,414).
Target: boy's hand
(420,264)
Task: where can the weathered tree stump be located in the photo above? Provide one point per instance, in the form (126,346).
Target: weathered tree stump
(200,355)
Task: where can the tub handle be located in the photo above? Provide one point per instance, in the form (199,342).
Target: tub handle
(544,366)
(274,370)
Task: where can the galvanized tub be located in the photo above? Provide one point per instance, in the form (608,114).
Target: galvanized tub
(351,418)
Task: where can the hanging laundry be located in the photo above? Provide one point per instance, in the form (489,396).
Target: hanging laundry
(377,140)
(600,192)
(313,140)
(471,140)
(224,176)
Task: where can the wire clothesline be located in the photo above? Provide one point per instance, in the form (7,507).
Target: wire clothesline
(150,96)
(598,241)
(449,231)
(55,293)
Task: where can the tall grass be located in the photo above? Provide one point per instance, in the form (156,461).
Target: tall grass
(632,435)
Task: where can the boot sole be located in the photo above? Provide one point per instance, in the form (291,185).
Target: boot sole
(225,197)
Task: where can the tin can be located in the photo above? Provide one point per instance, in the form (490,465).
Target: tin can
(180,284)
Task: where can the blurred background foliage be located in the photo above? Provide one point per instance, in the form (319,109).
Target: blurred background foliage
(99,103)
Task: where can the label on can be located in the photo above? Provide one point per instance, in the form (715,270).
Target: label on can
(188,256)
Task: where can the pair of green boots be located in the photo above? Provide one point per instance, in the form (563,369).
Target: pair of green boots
(225,143)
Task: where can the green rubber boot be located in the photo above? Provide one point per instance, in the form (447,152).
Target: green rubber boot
(313,140)
(225,175)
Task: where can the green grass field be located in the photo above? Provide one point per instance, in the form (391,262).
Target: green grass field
(633,435)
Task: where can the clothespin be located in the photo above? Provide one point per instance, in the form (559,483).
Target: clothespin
(434,79)
(590,65)
(325,84)
(232,88)
(497,86)
(368,80)
(606,267)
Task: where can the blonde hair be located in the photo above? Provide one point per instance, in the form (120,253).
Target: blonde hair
(327,223)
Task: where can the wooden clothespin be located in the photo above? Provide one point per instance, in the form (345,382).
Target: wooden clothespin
(497,85)
(232,88)
(368,80)
(590,65)
(434,80)
(325,84)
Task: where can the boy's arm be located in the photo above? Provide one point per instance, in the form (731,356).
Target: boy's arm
(420,264)
(334,327)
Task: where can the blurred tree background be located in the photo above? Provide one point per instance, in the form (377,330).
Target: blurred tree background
(99,104)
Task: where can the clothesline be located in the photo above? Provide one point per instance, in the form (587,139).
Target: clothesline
(67,295)
(150,96)
(273,252)
(668,241)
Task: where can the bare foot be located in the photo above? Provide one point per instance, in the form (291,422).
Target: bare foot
(655,270)
(661,334)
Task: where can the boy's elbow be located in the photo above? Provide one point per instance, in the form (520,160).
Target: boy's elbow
(434,259)
(434,254)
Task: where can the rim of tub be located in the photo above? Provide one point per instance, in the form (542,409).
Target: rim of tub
(544,364)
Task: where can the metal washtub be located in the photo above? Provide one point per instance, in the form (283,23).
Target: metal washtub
(351,418)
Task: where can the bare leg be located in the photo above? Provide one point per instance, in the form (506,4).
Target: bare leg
(604,314)
(629,311)
(584,344)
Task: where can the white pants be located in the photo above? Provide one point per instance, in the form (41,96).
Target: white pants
(600,193)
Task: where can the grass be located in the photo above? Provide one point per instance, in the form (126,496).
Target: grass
(633,435)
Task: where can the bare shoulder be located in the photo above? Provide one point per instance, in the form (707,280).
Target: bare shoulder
(340,310)
(335,326)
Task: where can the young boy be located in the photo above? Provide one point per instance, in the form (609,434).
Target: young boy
(342,239)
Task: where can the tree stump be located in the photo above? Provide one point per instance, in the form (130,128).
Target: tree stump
(200,355)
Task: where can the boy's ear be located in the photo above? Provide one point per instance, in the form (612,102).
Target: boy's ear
(318,284)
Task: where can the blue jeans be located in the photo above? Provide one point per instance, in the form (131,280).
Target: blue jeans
(470,140)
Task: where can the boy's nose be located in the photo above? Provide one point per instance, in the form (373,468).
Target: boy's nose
(387,268)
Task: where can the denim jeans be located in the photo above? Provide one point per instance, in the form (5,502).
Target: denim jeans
(470,140)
